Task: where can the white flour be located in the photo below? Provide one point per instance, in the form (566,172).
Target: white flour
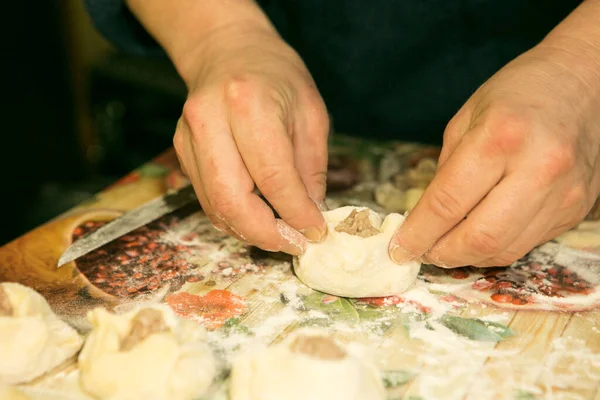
(407,335)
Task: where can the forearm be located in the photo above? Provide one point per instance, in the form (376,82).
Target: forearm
(180,26)
(578,39)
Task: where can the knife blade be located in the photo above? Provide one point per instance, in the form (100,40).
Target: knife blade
(129,222)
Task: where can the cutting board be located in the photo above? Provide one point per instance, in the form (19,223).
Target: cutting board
(439,341)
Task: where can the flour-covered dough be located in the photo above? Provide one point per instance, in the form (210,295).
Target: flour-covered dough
(309,364)
(356,264)
(148,354)
(8,392)
(586,235)
(33,340)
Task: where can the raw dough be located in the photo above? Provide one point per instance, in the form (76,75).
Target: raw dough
(388,196)
(11,393)
(585,236)
(145,354)
(33,340)
(309,364)
(351,265)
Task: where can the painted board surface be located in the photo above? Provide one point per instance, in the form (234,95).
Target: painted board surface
(525,332)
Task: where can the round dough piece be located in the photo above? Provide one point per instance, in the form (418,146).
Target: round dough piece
(586,235)
(309,364)
(33,340)
(356,264)
(148,353)
(11,393)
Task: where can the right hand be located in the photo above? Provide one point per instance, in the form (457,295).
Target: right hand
(254,118)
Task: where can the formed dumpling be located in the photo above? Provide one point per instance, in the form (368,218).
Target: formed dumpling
(145,354)
(353,260)
(309,364)
(33,340)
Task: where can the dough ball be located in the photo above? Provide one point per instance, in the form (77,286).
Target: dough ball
(585,236)
(145,354)
(353,260)
(412,197)
(309,364)
(33,340)
(390,197)
(11,393)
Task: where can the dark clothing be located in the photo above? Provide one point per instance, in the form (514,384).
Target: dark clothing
(391,68)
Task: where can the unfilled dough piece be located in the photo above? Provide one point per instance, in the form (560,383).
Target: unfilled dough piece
(585,236)
(356,265)
(145,354)
(11,393)
(309,364)
(33,340)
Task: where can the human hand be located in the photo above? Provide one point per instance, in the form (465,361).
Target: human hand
(518,167)
(254,118)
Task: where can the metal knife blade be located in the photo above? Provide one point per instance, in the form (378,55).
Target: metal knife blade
(128,222)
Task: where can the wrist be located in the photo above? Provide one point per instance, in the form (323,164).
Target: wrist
(577,58)
(184,27)
(575,42)
(218,43)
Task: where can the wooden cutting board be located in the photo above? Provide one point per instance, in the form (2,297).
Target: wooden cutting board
(449,338)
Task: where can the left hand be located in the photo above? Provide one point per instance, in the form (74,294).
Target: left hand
(519,164)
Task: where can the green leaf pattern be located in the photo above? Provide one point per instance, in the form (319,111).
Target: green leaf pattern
(524,395)
(476,329)
(339,309)
(394,379)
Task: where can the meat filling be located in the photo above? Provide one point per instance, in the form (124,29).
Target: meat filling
(6,309)
(145,323)
(317,346)
(358,224)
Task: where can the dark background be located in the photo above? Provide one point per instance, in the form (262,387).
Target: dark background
(76,116)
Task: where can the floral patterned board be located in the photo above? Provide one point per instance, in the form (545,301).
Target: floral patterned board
(525,332)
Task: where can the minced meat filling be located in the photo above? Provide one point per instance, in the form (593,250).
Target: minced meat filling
(317,346)
(358,224)
(145,323)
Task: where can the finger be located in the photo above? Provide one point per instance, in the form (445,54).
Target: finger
(218,223)
(558,230)
(179,144)
(261,135)
(532,236)
(458,186)
(493,225)
(185,154)
(229,188)
(310,148)
(569,206)
(453,134)
(179,150)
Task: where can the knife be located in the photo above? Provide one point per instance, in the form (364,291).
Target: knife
(128,222)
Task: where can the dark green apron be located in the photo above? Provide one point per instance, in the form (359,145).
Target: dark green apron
(401,69)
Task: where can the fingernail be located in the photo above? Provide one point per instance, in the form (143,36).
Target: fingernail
(400,256)
(322,206)
(314,234)
(294,241)
(431,259)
